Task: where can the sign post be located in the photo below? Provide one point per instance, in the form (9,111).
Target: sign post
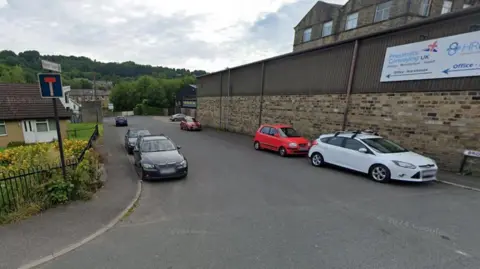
(51,87)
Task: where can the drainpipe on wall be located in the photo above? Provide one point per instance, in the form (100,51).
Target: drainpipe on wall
(350,83)
(221,107)
(409,3)
(262,86)
(228,107)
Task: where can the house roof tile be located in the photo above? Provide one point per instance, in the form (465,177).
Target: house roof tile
(23,101)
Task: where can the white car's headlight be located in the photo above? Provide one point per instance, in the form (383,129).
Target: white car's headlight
(292,145)
(182,164)
(404,164)
(147,165)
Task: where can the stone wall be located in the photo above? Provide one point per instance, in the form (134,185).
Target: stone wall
(208,111)
(438,124)
(91,110)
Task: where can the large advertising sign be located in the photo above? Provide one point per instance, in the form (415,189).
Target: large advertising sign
(447,57)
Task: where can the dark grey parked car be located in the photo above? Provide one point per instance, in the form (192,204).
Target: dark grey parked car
(131,138)
(177,117)
(158,158)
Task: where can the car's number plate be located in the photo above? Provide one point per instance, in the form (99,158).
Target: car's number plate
(303,148)
(168,171)
(429,173)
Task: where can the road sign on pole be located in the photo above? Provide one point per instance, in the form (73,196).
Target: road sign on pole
(51,66)
(51,88)
(50,85)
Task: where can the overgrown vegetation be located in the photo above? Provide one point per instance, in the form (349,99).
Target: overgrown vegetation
(39,183)
(78,72)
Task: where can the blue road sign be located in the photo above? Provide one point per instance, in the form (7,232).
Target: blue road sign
(50,85)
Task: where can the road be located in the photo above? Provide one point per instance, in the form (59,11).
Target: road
(240,208)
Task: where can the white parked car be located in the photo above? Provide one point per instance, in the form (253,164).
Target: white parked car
(372,154)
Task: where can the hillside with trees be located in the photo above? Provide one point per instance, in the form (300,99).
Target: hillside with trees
(78,70)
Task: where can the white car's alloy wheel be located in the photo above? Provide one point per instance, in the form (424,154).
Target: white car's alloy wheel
(317,159)
(380,173)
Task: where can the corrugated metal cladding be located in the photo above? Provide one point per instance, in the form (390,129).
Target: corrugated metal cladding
(208,86)
(371,54)
(246,81)
(326,70)
(225,83)
(316,72)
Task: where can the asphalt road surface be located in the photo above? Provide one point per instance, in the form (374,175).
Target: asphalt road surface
(240,208)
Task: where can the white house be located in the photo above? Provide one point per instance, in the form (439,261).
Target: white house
(68,102)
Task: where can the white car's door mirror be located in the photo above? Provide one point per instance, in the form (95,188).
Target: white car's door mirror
(363,150)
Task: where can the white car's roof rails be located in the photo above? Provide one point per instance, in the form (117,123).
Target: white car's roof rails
(357,132)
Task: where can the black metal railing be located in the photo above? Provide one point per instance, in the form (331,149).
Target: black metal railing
(20,186)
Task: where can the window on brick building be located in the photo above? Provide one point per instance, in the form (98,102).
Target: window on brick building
(307,35)
(382,11)
(424,8)
(447,7)
(352,20)
(327,28)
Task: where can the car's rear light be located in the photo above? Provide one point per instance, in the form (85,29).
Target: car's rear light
(314,142)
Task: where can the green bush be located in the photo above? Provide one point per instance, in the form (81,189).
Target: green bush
(13,144)
(150,110)
(49,188)
(137,110)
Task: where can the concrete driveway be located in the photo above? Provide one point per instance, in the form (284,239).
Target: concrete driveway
(240,208)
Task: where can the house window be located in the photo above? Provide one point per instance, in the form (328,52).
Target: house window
(466,5)
(45,125)
(327,28)
(66,98)
(447,7)
(42,125)
(424,8)
(383,11)
(3,128)
(351,21)
(307,35)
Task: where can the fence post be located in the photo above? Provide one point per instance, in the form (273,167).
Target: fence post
(96,132)
(350,84)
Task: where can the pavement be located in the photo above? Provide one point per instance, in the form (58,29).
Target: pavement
(240,208)
(59,227)
(462,181)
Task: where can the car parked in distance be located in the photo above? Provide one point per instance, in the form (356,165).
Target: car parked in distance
(177,117)
(158,158)
(190,124)
(281,138)
(369,153)
(131,138)
(121,121)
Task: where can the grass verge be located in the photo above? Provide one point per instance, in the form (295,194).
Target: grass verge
(82,131)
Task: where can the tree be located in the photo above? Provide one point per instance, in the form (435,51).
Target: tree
(11,74)
(147,90)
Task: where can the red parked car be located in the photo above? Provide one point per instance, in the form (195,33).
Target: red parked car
(190,124)
(281,138)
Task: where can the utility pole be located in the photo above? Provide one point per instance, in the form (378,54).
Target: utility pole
(95,93)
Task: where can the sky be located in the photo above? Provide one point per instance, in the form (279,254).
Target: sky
(199,35)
